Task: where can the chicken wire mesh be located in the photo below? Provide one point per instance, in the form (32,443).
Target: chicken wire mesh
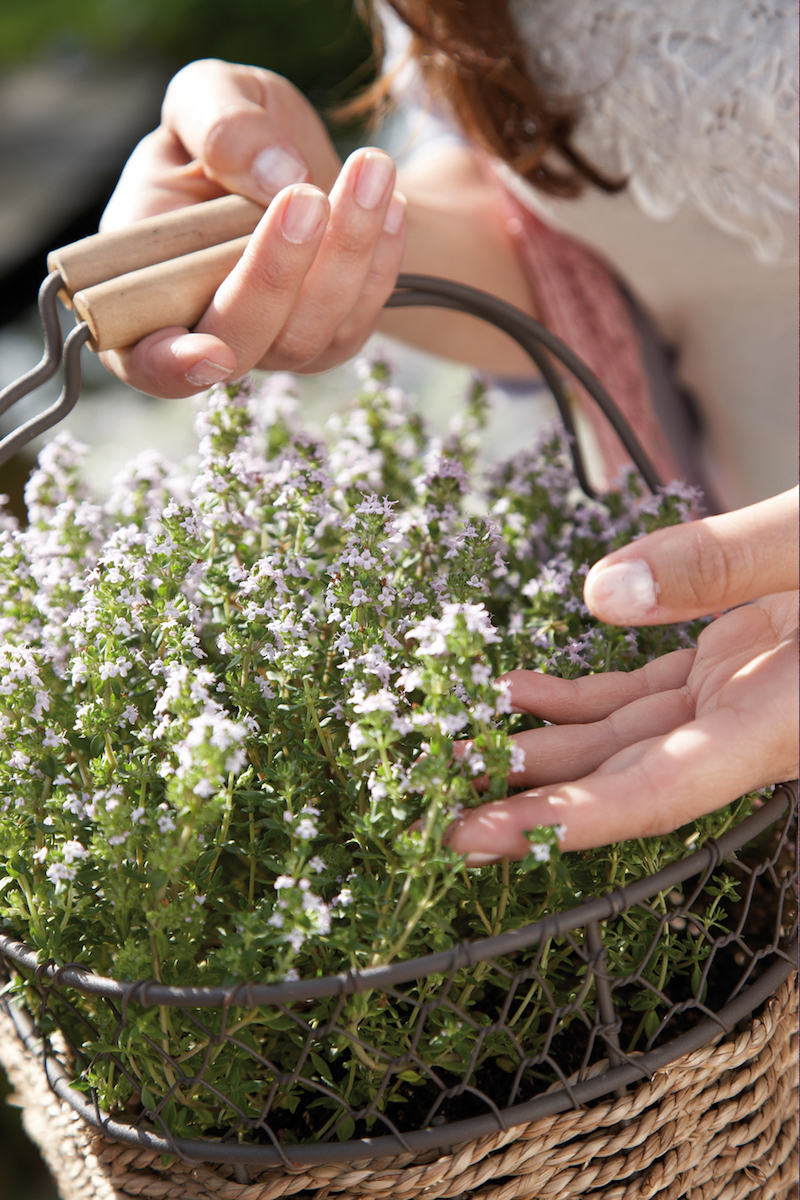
(558,1017)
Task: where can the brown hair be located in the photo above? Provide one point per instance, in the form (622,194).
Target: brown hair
(471,56)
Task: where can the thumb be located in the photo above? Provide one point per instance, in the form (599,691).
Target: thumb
(251,131)
(702,567)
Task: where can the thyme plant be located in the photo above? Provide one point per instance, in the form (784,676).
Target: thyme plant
(228,702)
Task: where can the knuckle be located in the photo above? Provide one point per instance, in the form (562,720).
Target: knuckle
(268,275)
(187,77)
(220,142)
(352,242)
(293,350)
(718,565)
(348,339)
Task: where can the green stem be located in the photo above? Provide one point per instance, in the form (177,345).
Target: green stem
(68,907)
(427,901)
(226,822)
(87,783)
(30,901)
(252,886)
(501,908)
(322,736)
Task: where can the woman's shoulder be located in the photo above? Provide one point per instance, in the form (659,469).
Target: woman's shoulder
(693,100)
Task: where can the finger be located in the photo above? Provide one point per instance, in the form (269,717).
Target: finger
(690,570)
(345,264)
(376,289)
(656,785)
(252,305)
(248,310)
(563,752)
(158,177)
(173,363)
(252,131)
(593,697)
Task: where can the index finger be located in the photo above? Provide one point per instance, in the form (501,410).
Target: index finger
(660,783)
(594,697)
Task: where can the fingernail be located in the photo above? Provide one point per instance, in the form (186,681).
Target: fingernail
(395,213)
(621,593)
(374,176)
(206,372)
(275,168)
(482,860)
(303,213)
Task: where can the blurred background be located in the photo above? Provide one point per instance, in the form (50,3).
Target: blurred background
(81,81)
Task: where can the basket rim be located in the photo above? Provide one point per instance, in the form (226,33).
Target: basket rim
(741,1004)
(550,1104)
(151,993)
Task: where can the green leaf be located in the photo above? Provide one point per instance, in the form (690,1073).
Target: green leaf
(651,1023)
(322,1067)
(346,1130)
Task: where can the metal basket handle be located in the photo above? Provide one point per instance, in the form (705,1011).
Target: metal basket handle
(164,271)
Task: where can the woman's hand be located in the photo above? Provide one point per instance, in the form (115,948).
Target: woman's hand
(641,753)
(312,283)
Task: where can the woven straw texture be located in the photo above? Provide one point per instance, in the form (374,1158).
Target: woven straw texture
(718,1124)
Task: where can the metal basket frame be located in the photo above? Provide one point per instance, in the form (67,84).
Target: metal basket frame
(622,1070)
(618,1070)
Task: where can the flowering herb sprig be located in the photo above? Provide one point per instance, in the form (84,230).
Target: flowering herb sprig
(228,708)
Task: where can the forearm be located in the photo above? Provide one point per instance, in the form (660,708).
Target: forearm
(456,230)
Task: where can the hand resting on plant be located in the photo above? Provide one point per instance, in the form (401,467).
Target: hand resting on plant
(638,754)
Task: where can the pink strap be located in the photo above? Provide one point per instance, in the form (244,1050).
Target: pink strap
(579,300)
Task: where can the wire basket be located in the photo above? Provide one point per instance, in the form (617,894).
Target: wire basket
(599,1038)
(584,1057)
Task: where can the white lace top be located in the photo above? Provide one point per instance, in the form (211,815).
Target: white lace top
(694,101)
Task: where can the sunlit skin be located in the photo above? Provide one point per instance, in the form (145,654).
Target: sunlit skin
(627,755)
(631,755)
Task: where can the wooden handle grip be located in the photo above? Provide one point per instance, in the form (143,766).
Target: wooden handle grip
(176,234)
(121,310)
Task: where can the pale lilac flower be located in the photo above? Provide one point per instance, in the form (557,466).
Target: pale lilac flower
(517,764)
(59,871)
(74,850)
(296,938)
(165,821)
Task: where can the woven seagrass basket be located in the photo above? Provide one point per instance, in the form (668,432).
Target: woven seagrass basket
(717,1124)
(706,1110)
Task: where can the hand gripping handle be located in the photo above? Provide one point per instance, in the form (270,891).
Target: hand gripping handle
(164,271)
(157,272)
